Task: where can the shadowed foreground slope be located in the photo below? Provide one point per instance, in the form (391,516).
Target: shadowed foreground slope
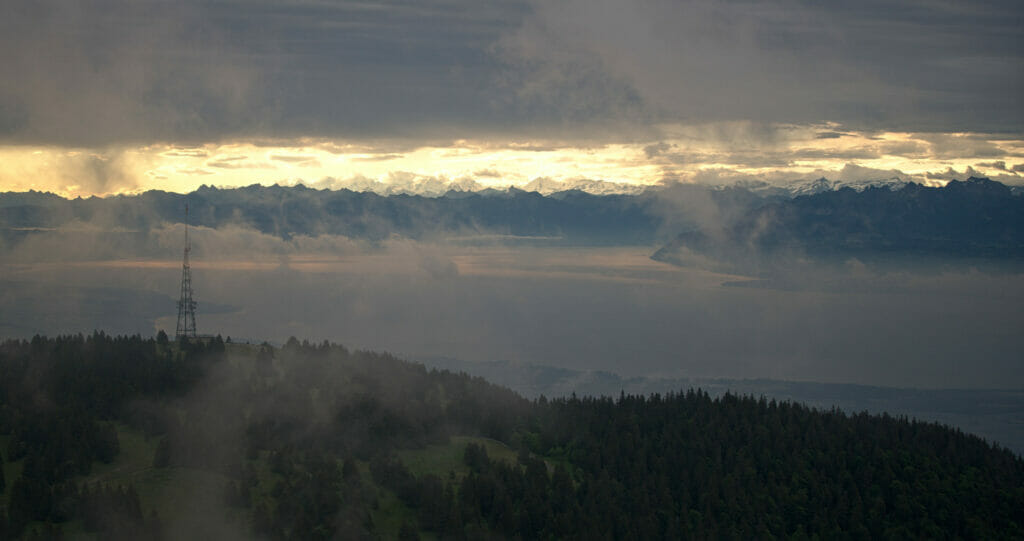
(113,438)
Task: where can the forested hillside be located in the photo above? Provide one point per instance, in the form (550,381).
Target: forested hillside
(131,438)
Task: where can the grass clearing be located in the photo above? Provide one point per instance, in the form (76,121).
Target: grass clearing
(190,502)
(134,459)
(12,470)
(442,459)
(390,514)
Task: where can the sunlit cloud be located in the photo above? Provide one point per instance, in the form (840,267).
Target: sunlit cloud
(709,153)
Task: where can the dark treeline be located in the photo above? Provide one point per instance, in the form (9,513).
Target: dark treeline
(742,468)
(58,400)
(687,466)
(305,437)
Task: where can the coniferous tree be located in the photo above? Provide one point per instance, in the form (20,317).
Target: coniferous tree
(162,455)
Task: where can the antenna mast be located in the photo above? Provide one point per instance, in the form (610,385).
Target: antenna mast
(186,306)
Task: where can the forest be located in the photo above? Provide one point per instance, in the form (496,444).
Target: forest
(112,437)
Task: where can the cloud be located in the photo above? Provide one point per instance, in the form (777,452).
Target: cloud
(227,159)
(292,158)
(198,71)
(378,158)
(1000,165)
(546,76)
(297,160)
(945,146)
(862,153)
(908,149)
(854,172)
(401,182)
(142,71)
(1009,178)
(785,62)
(226,164)
(186,153)
(487,173)
(700,152)
(951,174)
(238,162)
(848,172)
(73,171)
(656,149)
(127,72)
(194,171)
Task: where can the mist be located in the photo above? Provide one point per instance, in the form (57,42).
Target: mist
(584,307)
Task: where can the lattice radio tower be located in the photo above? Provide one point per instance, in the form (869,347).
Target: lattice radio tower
(186,306)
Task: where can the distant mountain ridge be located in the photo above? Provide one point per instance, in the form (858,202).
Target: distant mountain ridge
(810,187)
(433,188)
(976,218)
(575,216)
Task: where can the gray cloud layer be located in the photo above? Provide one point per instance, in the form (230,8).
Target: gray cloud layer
(91,74)
(946,66)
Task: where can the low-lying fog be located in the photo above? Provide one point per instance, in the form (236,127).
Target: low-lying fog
(603,308)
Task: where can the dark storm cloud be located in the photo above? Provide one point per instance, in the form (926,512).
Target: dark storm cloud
(97,73)
(950,66)
(117,71)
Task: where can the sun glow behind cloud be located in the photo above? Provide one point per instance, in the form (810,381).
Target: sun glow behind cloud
(714,153)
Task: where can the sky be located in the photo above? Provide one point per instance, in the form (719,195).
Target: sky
(110,97)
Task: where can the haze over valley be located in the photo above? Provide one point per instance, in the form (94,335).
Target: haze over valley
(632,269)
(566,280)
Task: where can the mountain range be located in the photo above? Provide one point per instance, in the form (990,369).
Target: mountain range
(977,218)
